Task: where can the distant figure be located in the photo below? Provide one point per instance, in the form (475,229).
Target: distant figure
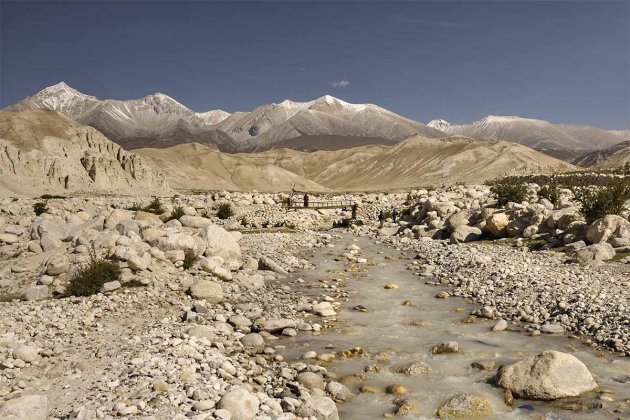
(305,199)
(354,210)
(381,219)
(394,214)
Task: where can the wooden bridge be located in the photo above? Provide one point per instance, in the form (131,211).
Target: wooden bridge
(315,205)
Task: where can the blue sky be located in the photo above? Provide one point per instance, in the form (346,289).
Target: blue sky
(564,61)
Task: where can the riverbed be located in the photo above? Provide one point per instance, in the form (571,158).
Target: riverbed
(397,326)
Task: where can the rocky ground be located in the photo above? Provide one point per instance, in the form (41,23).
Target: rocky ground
(197,337)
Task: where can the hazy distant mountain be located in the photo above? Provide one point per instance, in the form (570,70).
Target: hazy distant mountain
(611,157)
(156,120)
(537,134)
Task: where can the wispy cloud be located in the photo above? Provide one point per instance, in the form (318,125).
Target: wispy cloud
(412,20)
(340,83)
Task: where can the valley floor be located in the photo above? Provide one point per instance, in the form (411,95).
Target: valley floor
(155,352)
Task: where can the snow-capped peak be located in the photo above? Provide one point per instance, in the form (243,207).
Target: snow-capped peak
(438,124)
(214,116)
(332,101)
(61,89)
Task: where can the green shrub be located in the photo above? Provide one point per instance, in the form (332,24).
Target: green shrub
(225,211)
(189,259)
(508,190)
(176,213)
(135,207)
(599,201)
(551,192)
(92,275)
(154,207)
(40,208)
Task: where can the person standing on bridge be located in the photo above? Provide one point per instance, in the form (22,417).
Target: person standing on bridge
(305,199)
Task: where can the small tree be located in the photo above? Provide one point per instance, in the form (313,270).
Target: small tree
(508,190)
(598,201)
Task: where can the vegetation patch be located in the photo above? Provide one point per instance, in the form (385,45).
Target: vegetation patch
(598,201)
(154,207)
(225,211)
(92,276)
(176,213)
(506,190)
(551,192)
(189,259)
(40,208)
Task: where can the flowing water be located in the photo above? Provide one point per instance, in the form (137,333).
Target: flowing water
(393,334)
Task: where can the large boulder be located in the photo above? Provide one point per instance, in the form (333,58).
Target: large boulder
(206,290)
(242,404)
(547,376)
(319,407)
(388,231)
(608,227)
(266,263)
(463,217)
(221,243)
(116,216)
(251,282)
(464,233)
(594,253)
(27,407)
(497,223)
(196,222)
(465,406)
(177,241)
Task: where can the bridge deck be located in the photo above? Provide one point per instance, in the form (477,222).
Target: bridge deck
(314,205)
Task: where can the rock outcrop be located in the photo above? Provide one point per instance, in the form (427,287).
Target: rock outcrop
(44,152)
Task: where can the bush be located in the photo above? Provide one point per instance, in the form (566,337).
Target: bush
(91,276)
(225,211)
(597,202)
(154,207)
(189,259)
(135,207)
(551,192)
(40,208)
(508,190)
(176,213)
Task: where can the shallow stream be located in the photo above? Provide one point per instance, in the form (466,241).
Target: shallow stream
(392,334)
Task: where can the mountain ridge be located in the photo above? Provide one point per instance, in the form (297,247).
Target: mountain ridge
(325,123)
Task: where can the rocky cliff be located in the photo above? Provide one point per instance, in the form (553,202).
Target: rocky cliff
(44,152)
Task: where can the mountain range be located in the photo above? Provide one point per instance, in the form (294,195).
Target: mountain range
(537,134)
(326,123)
(45,152)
